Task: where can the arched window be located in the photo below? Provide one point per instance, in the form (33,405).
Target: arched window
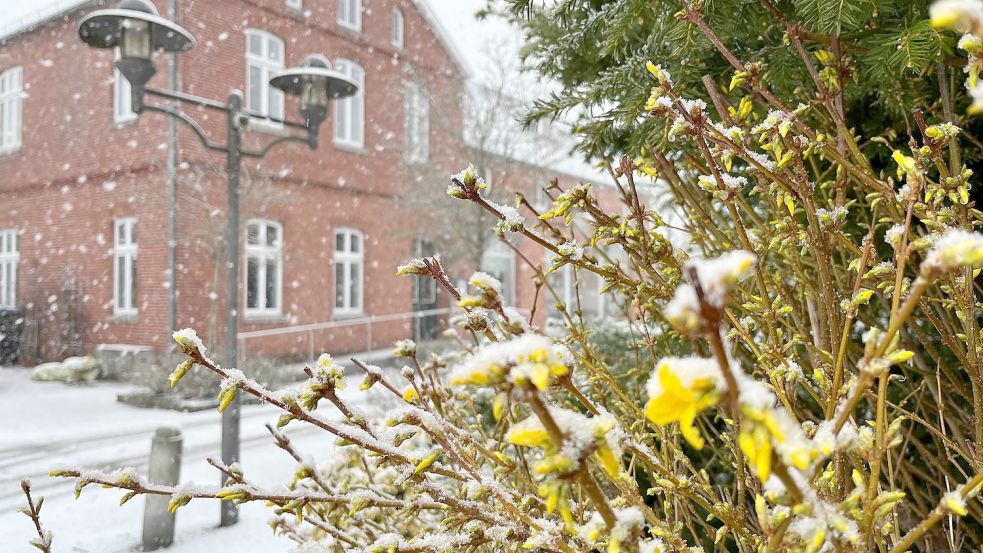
(397,38)
(417,123)
(349,120)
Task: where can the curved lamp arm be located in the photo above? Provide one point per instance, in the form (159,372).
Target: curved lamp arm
(183,117)
(207,142)
(272,143)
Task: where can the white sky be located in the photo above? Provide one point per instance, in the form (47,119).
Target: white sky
(457,16)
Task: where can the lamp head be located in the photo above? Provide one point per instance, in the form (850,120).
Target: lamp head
(135,27)
(316,83)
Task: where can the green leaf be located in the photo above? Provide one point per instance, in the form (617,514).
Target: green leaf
(834,17)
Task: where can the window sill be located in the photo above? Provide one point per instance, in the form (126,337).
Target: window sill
(265,318)
(258,124)
(299,13)
(123,318)
(347,315)
(349,28)
(123,123)
(350,148)
(10,152)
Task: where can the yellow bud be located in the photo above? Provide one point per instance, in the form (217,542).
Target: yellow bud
(900,356)
(427,461)
(955,504)
(861,297)
(498,405)
(180,371)
(225,398)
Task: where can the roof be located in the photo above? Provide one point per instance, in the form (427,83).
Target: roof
(61,8)
(423,6)
(39,17)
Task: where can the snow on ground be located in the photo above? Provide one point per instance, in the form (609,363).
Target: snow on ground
(48,425)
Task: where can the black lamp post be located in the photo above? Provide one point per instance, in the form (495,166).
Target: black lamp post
(135,27)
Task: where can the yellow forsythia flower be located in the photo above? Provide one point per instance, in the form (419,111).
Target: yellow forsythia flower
(679,389)
(958,15)
(579,431)
(410,394)
(530,358)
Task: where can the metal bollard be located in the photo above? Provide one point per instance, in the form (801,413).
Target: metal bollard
(165,468)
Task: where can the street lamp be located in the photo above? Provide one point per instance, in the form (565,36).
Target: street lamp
(135,27)
(316,84)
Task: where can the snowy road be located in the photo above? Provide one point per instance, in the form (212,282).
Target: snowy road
(48,425)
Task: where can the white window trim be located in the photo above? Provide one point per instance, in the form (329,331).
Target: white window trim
(421,284)
(566,289)
(417,123)
(355,24)
(542,201)
(398,32)
(348,68)
(9,260)
(122,98)
(268,68)
(11,101)
(263,253)
(497,250)
(348,259)
(128,251)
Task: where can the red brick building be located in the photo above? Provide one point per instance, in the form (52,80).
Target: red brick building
(83,194)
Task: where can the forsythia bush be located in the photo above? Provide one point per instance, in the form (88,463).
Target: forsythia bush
(808,360)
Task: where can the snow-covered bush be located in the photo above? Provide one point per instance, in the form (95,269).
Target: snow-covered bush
(810,356)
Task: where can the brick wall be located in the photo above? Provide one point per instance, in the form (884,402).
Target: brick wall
(76,171)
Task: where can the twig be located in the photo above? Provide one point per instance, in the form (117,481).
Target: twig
(33,511)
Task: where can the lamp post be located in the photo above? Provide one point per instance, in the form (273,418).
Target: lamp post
(135,27)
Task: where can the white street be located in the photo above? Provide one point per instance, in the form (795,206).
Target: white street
(52,425)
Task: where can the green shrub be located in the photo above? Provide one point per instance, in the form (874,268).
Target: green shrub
(815,381)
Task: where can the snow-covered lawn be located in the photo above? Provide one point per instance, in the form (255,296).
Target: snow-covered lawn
(49,425)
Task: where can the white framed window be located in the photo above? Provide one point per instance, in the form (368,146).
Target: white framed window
(349,271)
(397,38)
(350,14)
(417,123)
(122,98)
(264,58)
(349,120)
(9,257)
(542,201)
(563,281)
(498,260)
(295,4)
(11,90)
(424,288)
(125,266)
(568,284)
(264,267)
